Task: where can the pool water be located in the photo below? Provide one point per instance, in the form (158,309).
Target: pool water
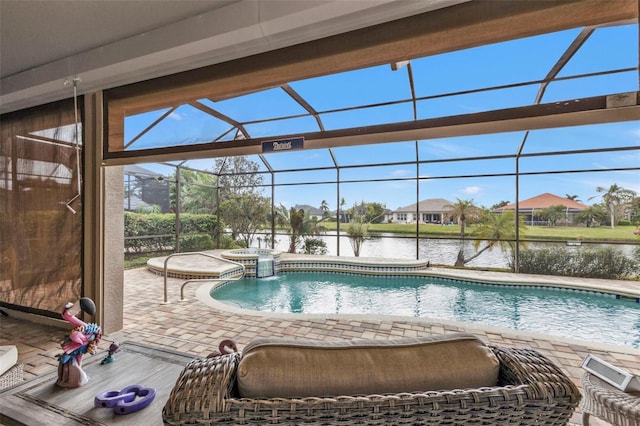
(584,316)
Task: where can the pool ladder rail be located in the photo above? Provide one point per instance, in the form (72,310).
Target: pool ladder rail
(192,253)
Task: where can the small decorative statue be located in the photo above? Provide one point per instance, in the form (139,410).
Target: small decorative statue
(84,338)
(113,348)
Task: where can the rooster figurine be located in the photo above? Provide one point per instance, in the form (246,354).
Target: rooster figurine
(83,339)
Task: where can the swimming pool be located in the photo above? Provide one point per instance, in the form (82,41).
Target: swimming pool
(565,313)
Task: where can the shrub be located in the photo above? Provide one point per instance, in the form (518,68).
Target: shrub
(589,263)
(226,242)
(198,242)
(315,246)
(148,232)
(156,232)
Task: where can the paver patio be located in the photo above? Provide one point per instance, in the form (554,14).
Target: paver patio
(194,328)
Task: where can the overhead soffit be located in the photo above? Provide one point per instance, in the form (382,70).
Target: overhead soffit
(113,43)
(457,27)
(38,33)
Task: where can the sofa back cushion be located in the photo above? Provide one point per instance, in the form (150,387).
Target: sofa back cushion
(293,368)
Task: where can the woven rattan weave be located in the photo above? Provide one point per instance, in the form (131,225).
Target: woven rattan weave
(608,403)
(531,390)
(12,377)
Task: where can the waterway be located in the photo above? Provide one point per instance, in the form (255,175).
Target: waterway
(436,250)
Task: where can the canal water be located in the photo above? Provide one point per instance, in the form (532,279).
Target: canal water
(436,250)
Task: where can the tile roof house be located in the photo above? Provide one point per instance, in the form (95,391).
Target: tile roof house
(530,206)
(431,210)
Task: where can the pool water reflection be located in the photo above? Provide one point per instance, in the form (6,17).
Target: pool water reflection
(564,313)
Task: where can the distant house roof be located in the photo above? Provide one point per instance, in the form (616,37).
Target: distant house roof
(310,210)
(428,205)
(136,170)
(544,201)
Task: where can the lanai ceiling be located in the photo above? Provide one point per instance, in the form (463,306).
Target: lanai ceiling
(111,43)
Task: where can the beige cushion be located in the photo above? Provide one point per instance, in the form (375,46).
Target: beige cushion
(292,368)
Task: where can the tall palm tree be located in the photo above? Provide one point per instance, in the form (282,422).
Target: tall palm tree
(324,206)
(612,197)
(572,198)
(464,210)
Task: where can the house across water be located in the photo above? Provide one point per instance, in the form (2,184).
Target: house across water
(431,210)
(531,209)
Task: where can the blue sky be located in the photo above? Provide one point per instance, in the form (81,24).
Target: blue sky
(523,60)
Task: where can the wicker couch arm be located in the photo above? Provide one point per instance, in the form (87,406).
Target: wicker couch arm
(529,367)
(201,389)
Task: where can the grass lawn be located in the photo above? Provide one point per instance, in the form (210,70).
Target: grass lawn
(601,233)
(136,262)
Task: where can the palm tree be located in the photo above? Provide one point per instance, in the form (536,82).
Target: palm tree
(198,192)
(358,231)
(464,210)
(341,212)
(361,216)
(494,230)
(553,214)
(572,198)
(614,196)
(324,206)
(591,214)
(299,224)
(500,204)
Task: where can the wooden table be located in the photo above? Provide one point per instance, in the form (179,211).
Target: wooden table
(41,402)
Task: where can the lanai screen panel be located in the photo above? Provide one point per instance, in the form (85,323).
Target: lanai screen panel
(490,113)
(40,208)
(466,86)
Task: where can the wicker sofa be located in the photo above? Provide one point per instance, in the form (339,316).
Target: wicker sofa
(452,379)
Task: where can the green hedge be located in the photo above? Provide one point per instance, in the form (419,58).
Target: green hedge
(605,263)
(156,232)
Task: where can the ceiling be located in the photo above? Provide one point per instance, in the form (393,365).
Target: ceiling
(111,43)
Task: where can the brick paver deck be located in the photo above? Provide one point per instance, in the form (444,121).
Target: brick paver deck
(195,328)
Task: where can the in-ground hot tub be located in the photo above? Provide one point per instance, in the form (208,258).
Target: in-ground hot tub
(257,261)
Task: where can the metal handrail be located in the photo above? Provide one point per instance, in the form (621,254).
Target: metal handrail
(166,262)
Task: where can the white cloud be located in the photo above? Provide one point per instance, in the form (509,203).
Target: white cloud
(175,116)
(471,190)
(401,173)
